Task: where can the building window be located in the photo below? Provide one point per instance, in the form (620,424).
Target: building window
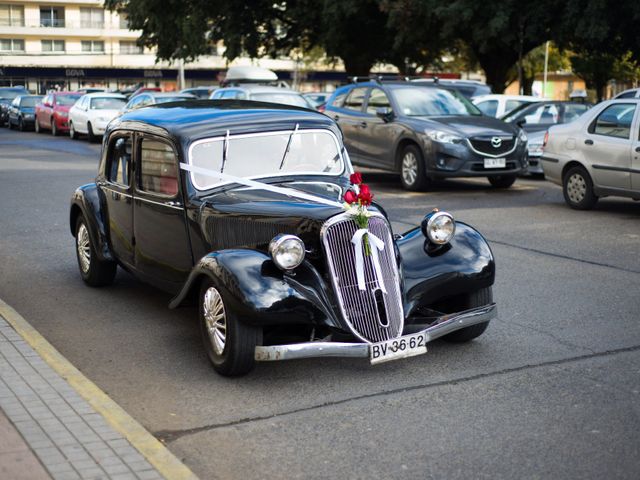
(124,21)
(52,16)
(92,46)
(11,16)
(91,18)
(129,48)
(11,45)
(52,45)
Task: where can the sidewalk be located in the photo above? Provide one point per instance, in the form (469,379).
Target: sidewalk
(55,423)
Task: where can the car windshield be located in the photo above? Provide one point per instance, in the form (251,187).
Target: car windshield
(285,98)
(170,99)
(29,101)
(298,152)
(432,102)
(10,94)
(67,100)
(107,103)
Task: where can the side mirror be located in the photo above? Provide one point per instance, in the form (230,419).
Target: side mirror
(522,122)
(385,113)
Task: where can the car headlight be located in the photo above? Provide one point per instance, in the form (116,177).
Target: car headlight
(522,136)
(287,251)
(63,114)
(439,227)
(442,137)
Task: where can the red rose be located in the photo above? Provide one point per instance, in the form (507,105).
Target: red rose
(350,197)
(365,196)
(356,178)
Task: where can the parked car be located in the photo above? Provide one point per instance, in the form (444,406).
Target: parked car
(262,93)
(536,118)
(425,133)
(467,88)
(53,112)
(130,94)
(631,93)
(22,111)
(7,94)
(153,98)
(238,207)
(596,155)
(497,106)
(92,113)
(91,90)
(199,92)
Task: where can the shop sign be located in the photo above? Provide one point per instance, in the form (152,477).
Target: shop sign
(153,74)
(72,72)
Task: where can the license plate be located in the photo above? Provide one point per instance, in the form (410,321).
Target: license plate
(401,347)
(495,163)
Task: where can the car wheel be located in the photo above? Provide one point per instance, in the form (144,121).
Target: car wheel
(230,344)
(502,181)
(479,298)
(94,272)
(577,188)
(54,127)
(37,127)
(412,174)
(72,132)
(21,125)
(90,135)
(9,125)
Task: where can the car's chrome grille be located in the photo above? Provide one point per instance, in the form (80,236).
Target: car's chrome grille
(372,315)
(484,145)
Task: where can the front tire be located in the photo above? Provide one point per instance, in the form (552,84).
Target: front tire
(577,188)
(479,298)
(502,181)
(72,132)
(37,127)
(21,125)
(94,272)
(229,343)
(412,174)
(54,128)
(90,135)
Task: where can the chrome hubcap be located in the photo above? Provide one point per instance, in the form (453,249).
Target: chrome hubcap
(84,248)
(215,319)
(409,168)
(576,188)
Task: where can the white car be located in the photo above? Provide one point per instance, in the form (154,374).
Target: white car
(631,93)
(91,114)
(596,155)
(496,105)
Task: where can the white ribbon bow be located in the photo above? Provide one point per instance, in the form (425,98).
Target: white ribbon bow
(376,244)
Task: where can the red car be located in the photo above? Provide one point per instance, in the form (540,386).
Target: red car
(53,112)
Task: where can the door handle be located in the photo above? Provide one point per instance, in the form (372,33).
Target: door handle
(115,195)
(588,142)
(363,124)
(638,149)
(336,117)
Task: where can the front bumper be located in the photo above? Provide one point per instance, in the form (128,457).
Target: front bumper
(442,326)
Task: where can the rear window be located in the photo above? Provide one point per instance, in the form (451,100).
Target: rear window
(66,100)
(29,101)
(107,103)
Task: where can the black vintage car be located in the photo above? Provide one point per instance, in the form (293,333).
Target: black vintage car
(238,207)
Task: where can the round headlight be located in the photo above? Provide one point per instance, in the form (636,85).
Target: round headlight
(439,227)
(287,251)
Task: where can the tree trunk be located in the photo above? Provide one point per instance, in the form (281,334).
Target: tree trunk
(496,68)
(358,66)
(527,85)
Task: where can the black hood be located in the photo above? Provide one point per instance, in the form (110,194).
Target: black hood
(471,125)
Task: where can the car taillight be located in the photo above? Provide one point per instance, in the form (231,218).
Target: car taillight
(546,139)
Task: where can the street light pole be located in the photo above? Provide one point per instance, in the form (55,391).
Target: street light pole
(546,67)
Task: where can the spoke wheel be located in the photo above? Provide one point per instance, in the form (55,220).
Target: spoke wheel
(215,319)
(578,189)
(83,246)
(412,171)
(94,271)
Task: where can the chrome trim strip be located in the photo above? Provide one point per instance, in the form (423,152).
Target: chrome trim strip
(615,169)
(515,145)
(128,195)
(168,204)
(447,324)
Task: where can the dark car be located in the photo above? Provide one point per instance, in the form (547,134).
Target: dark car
(7,94)
(22,111)
(238,207)
(425,133)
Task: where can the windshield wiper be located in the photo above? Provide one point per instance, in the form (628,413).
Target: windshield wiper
(286,151)
(225,151)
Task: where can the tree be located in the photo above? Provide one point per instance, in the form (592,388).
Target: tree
(533,64)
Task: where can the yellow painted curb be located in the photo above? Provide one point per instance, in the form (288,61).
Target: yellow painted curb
(154,451)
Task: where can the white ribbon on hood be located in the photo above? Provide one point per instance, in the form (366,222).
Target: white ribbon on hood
(376,245)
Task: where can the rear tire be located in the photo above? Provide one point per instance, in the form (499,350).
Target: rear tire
(229,343)
(412,171)
(577,188)
(502,181)
(479,298)
(94,272)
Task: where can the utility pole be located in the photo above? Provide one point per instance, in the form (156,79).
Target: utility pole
(181,82)
(546,68)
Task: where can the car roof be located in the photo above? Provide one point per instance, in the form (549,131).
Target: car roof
(105,95)
(196,119)
(261,89)
(166,94)
(496,96)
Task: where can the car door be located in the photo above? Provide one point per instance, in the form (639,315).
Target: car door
(13,111)
(117,188)
(78,116)
(378,135)
(162,247)
(350,118)
(607,146)
(44,113)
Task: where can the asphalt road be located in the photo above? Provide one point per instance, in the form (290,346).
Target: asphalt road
(551,390)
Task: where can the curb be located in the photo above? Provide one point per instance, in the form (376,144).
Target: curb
(167,464)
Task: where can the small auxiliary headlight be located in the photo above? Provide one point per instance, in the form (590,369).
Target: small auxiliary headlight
(439,227)
(287,251)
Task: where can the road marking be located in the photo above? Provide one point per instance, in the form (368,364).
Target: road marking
(153,450)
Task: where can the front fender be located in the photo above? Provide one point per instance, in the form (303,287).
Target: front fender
(85,201)
(464,265)
(260,293)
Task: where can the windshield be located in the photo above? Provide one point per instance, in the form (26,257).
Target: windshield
(29,101)
(107,103)
(432,102)
(310,152)
(11,94)
(66,100)
(170,99)
(285,98)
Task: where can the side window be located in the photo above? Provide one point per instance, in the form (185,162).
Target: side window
(377,99)
(512,105)
(217,95)
(119,160)
(15,102)
(144,100)
(135,103)
(489,108)
(338,101)
(355,100)
(158,168)
(631,94)
(614,121)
